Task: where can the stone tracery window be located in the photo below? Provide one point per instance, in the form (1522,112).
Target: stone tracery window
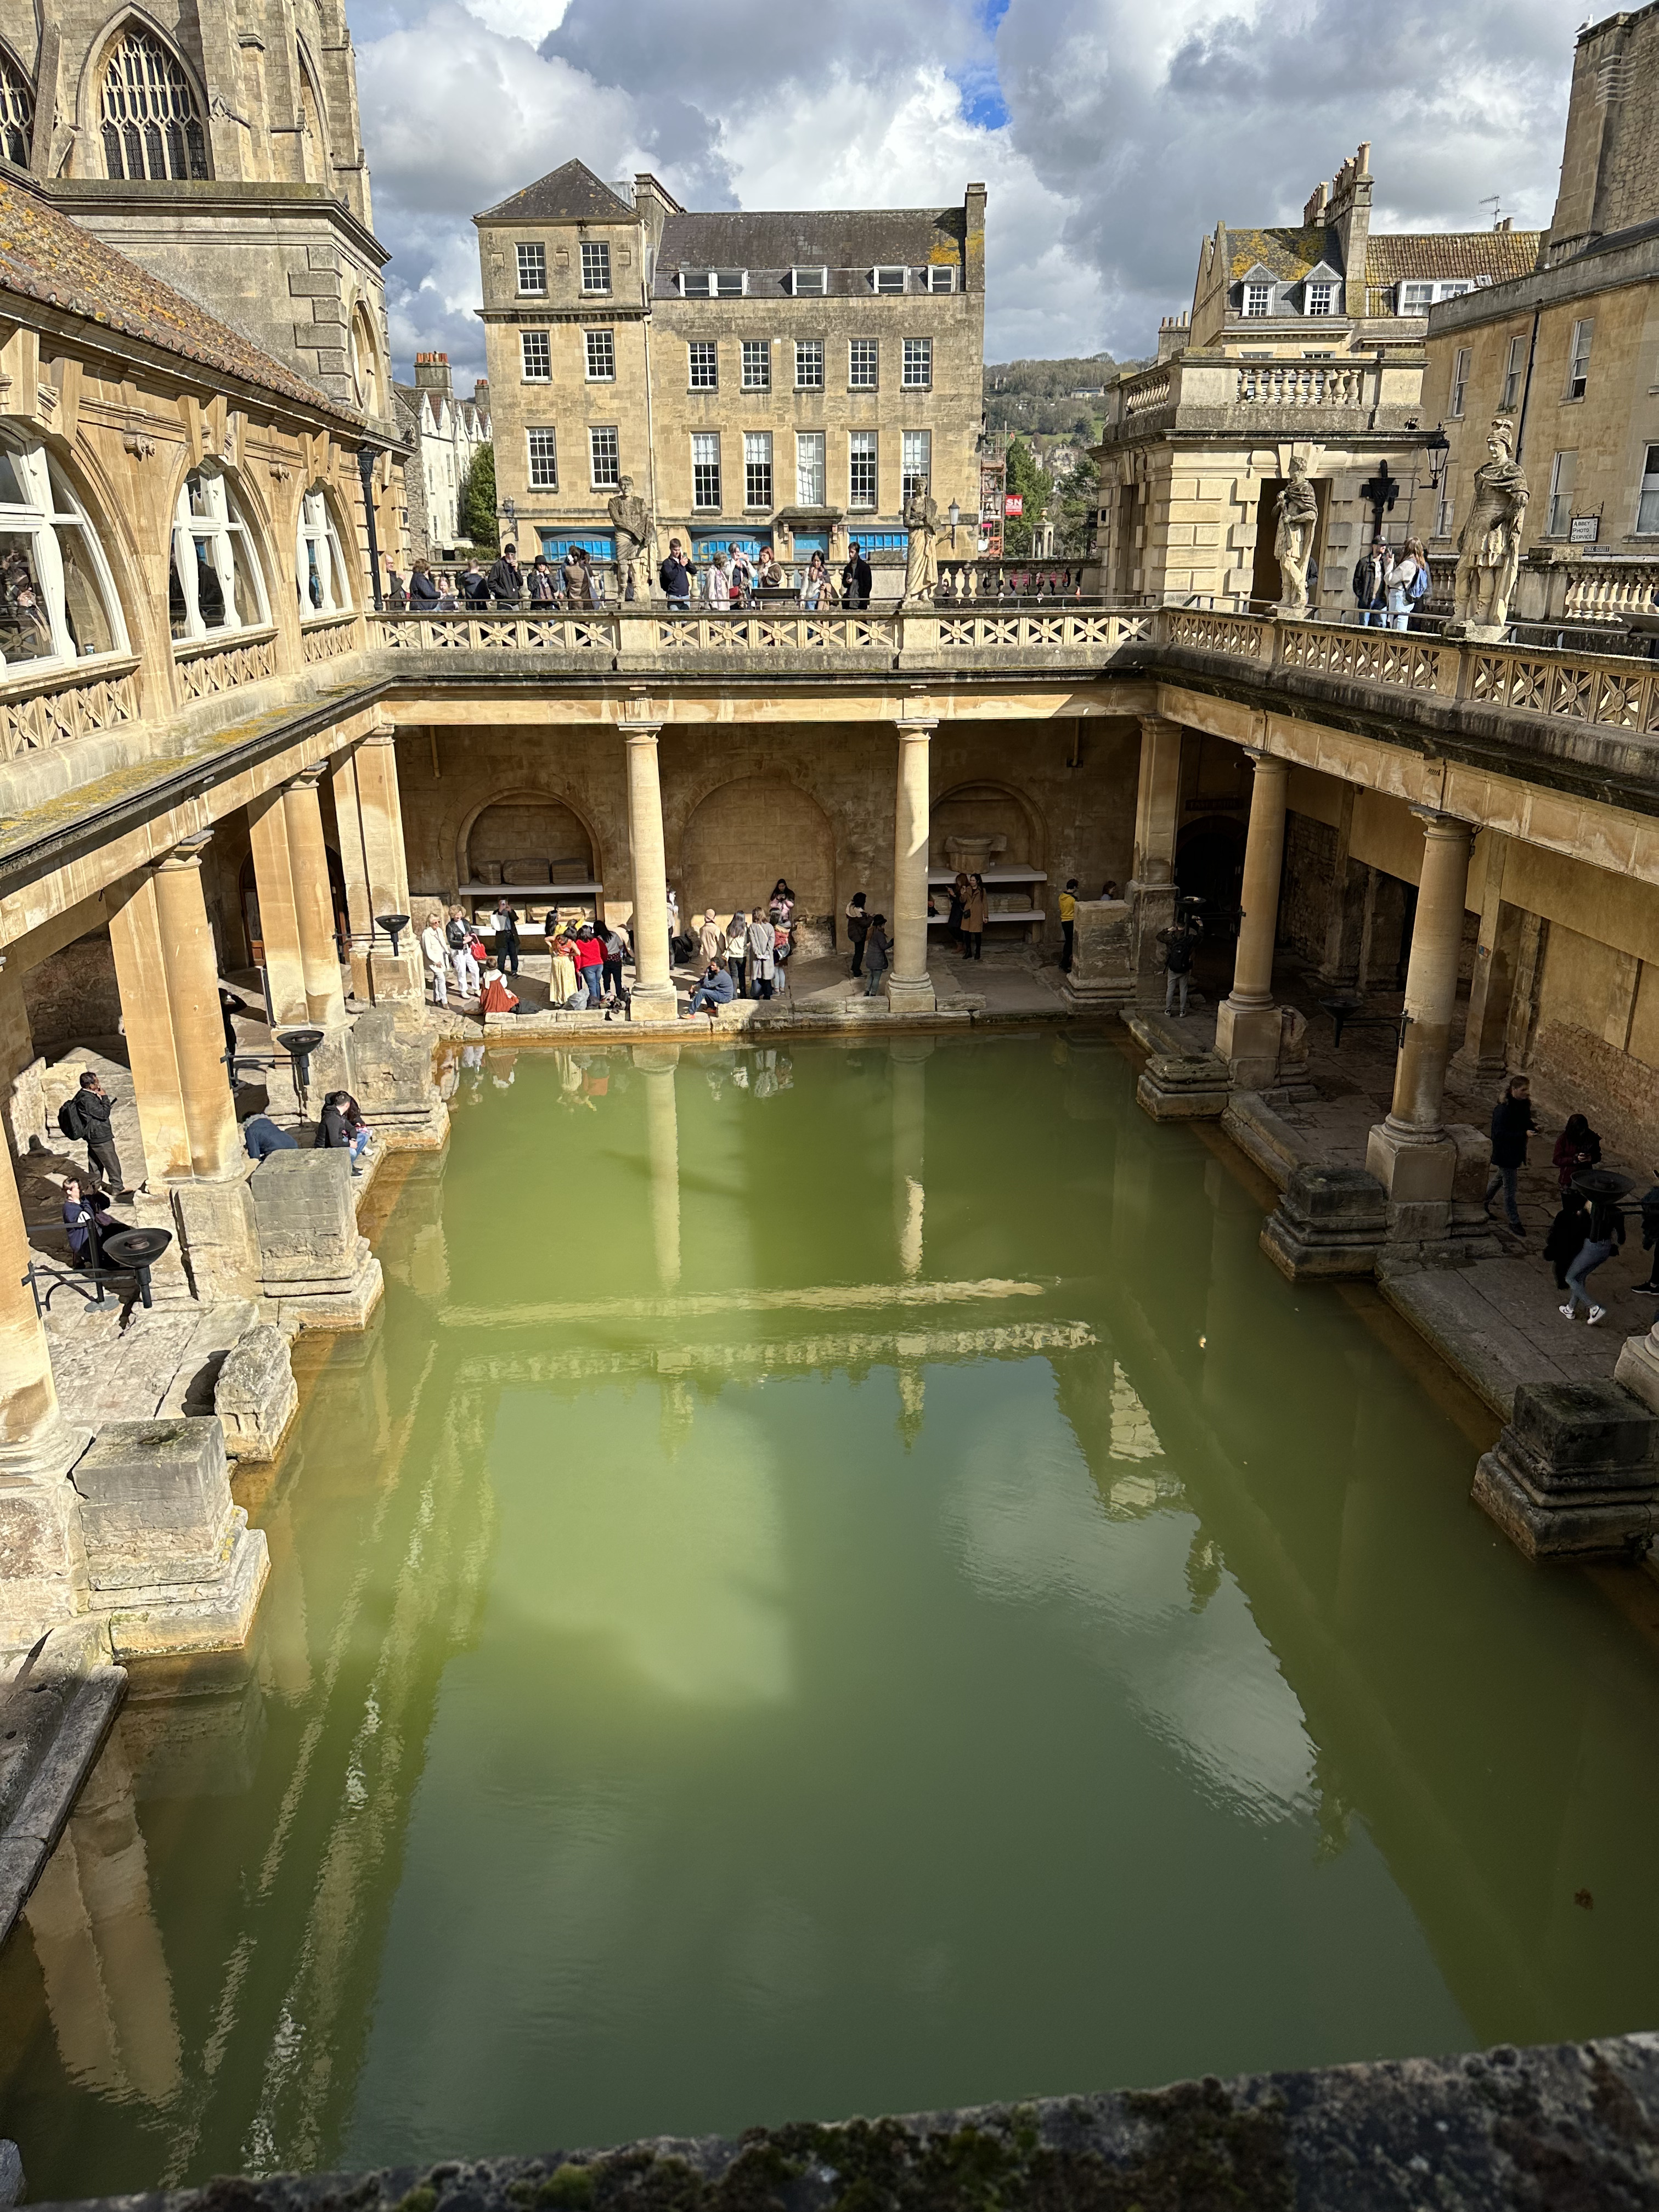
(320,563)
(57,598)
(152,126)
(16,112)
(215,582)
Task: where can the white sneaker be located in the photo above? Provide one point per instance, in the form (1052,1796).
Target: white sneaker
(1597,1313)
(1566,1312)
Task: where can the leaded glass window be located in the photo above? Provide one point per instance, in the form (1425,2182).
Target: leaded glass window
(16,113)
(152,127)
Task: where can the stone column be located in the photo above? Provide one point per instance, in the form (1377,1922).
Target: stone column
(370,813)
(43,1565)
(279,919)
(1249,1024)
(191,970)
(314,899)
(1410,1153)
(657,1064)
(654,983)
(135,932)
(909,987)
(1152,888)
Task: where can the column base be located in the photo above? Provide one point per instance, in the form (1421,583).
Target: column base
(385,981)
(1250,1039)
(389,1061)
(1184,1087)
(655,1002)
(217,1241)
(314,1267)
(1638,1368)
(1416,1172)
(1576,1473)
(43,1562)
(1327,1225)
(910,994)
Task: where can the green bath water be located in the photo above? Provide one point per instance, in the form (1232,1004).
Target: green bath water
(838,1581)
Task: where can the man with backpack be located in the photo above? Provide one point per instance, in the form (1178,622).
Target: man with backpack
(83,1117)
(1177,945)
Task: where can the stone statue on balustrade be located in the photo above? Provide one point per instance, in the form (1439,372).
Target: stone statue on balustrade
(1298,518)
(1489,543)
(921,525)
(631,519)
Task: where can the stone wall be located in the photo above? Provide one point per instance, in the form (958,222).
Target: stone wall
(1304,910)
(73,994)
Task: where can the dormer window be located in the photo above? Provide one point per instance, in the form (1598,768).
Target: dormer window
(1320,297)
(809,283)
(714,284)
(1258,299)
(938,276)
(885,278)
(1416,299)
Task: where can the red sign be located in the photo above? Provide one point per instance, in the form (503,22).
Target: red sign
(1014,503)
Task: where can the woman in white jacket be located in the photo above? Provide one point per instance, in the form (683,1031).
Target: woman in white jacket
(763,955)
(436,955)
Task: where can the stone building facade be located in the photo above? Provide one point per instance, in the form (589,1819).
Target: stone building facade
(1302,341)
(1570,351)
(444,434)
(761,378)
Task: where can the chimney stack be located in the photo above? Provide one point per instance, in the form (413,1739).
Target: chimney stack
(432,374)
(1318,200)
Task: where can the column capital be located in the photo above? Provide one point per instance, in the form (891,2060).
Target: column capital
(308,779)
(915,725)
(1436,824)
(188,852)
(637,732)
(1263,759)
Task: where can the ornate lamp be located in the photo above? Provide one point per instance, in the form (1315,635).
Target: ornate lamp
(300,1044)
(1437,447)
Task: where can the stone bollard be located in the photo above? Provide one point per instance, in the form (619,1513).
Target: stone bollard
(171,1560)
(1102,973)
(1327,1225)
(313,1263)
(1184,1087)
(1576,1473)
(255,1396)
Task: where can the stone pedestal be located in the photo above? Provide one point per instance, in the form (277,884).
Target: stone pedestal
(43,1565)
(1102,972)
(217,1234)
(1248,1038)
(313,1263)
(1151,908)
(171,1561)
(390,1058)
(256,1396)
(1417,1171)
(1638,1368)
(1184,1087)
(1328,1225)
(1576,1473)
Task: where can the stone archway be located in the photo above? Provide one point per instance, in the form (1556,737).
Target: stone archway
(983,809)
(526,837)
(745,834)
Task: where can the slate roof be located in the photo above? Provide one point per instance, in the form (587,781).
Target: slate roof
(571,194)
(1286,255)
(847,241)
(45,257)
(1426,256)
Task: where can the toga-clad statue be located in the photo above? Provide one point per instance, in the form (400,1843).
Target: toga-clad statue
(1299,516)
(921,523)
(1489,543)
(630,518)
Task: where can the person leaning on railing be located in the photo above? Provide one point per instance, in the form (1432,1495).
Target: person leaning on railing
(424,593)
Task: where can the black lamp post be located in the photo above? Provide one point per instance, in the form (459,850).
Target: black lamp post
(139,1250)
(300,1044)
(1437,446)
(391,923)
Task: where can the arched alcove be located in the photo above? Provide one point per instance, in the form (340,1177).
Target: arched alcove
(745,834)
(526,838)
(982,810)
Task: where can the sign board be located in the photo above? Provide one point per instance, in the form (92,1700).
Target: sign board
(1584,529)
(1014,503)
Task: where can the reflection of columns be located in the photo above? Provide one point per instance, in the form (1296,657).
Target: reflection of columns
(663,1148)
(198,1032)
(314,899)
(909,989)
(909,1060)
(369,811)
(1410,1153)
(135,934)
(1151,887)
(654,986)
(279,919)
(1248,1024)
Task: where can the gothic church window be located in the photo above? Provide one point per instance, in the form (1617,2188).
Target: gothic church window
(16,112)
(57,599)
(152,126)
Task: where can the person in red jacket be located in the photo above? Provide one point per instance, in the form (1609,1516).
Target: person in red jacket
(588,953)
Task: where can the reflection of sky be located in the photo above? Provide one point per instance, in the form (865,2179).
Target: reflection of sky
(1028,1520)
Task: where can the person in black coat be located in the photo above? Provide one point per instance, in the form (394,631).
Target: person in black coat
(1650,1234)
(856,578)
(1567,1233)
(1512,1123)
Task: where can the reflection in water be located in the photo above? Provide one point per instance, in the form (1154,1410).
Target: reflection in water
(728,1655)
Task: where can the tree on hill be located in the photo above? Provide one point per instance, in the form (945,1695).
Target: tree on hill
(1026,480)
(475,502)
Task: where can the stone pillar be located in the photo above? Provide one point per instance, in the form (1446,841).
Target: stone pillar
(369,811)
(279,919)
(657,1064)
(1411,1154)
(135,932)
(314,899)
(191,968)
(1249,1024)
(1152,889)
(909,987)
(1483,1054)
(43,1567)
(654,983)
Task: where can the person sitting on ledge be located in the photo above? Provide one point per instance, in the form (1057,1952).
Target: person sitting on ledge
(262,1138)
(716,989)
(497,999)
(343,1130)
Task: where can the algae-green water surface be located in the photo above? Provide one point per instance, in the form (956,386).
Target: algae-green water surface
(837,1581)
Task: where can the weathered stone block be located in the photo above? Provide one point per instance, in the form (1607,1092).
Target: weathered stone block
(1102,954)
(256,1396)
(1327,1225)
(1576,1473)
(43,1564)
(311,1259)
(215,1228)
(1184,1087)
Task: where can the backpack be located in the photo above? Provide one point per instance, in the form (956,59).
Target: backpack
(69,1119)
(1421,582)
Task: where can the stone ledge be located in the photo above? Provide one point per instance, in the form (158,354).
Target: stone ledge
(1559,2125)
(55,1708)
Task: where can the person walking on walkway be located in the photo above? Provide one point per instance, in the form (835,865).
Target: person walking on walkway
(1578,1147)
(973,919)
(1605,1234)
(462,959)
(436,955)
(507,937)
(85,1114)
(1408,586)
(1177,945)
(875,955)
(858,928)
(736,950)
(762,951)
(1567,1233)
(590,965)
(562,987)
(1511,1124)
(505,580)
(1067,923)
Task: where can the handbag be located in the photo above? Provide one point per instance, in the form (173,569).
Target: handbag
(474,946)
